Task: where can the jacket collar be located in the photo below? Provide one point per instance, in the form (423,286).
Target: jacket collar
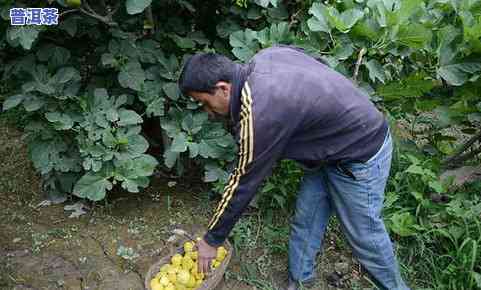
(241,73)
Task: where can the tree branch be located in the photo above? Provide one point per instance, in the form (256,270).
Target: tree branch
(467,156)
(358,63)
(462,149)
(67,12)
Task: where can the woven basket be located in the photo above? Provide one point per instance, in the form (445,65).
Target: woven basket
(211,280)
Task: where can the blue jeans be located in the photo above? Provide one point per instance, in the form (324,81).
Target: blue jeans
(357,200)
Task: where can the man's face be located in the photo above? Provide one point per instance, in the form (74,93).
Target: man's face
(216,103)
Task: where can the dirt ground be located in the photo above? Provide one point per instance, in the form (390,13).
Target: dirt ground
(114,243)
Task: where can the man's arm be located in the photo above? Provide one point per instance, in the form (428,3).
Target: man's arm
(261,143)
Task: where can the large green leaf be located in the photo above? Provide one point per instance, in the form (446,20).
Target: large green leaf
(403,224)
(265,3)
(53,54)
(172,91)
(132,76)
(25,35)
(344,21)
(414,35)
(128,117)
(244,44)
(13,101)
(61,121)
(93,185)
(376,71)
(458,74)
(137,6)
(319,20)
(179,144)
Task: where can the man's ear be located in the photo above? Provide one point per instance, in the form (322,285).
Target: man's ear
(224,86)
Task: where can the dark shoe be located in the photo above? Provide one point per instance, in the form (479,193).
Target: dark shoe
(294,285)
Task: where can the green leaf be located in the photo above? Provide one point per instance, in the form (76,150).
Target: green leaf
(128,117)
(415,169)
(109,60)
(227,27)
(170,158)
(56,56)
(403,224)
(13,101)
(413,86)
(132,76)
(213,173)
(25,35)
(458,74)
(265,3)
(137,6)
(172,91)
(376,71)
(182,42)
(345,20)
(368,27)
(437,186)
(93,185)
(179,144)
(319,20)
(244,44)
(414,35)
(69,25)
(33,103)
(66,74)
(137,145)
(446,51)
(61,121)
(193,149)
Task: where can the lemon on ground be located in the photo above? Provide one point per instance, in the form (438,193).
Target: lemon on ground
(191,282)
(154,283)
(198,282)
(199,276)
(187,263)
(188,247)
(194,255)
(164,280)
(176,260)
(194,268)
(172,277)
(183,277)
(165,268)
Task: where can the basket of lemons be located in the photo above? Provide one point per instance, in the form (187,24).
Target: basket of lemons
(178,270)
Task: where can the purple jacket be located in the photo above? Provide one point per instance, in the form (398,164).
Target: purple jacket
(286,104)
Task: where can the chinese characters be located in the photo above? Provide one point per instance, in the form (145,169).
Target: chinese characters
(34,16)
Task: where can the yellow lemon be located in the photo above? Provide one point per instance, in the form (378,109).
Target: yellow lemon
(194,255)
(176,260)
(198,282)
(164,268)
(183,277)
(187,263)
(191,282)
(154,283)
(199,276)
(194,268)
(179,286)
(164,280)
(169,287)
(172,277)
(188,247)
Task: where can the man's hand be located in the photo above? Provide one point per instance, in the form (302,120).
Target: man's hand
(206,254)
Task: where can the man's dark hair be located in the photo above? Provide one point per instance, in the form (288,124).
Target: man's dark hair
(203,70)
